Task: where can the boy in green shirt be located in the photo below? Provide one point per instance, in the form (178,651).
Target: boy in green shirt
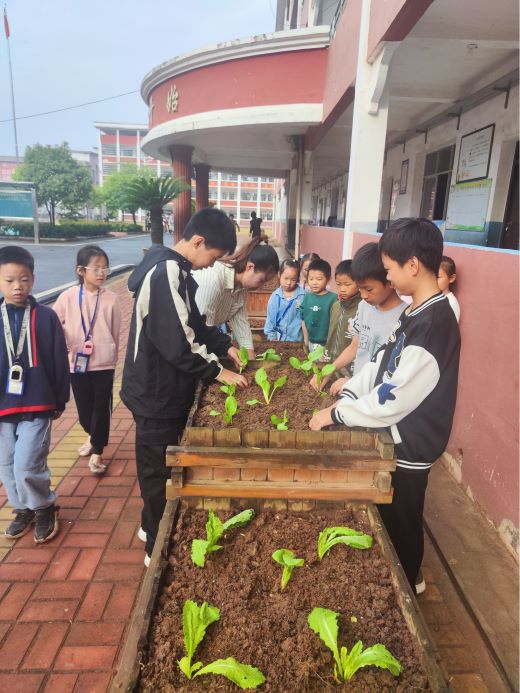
(316,305)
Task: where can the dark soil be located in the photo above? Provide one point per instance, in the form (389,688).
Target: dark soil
(296,396)
(267,628)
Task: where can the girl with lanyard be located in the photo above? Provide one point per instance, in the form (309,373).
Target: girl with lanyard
(91,318)
(284,323)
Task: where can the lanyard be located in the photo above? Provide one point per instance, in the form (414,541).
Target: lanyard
(88,334)
(282,316)
(9,337)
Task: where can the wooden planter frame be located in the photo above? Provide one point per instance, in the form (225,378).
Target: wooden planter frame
(135,648)
(340,464)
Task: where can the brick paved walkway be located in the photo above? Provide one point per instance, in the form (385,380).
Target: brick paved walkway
(65,606)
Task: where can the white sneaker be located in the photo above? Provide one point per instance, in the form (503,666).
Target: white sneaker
(420,583)
(147,560)
(86,449)
(141,534)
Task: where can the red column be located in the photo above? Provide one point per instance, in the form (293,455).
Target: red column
(181,164)
(202,186)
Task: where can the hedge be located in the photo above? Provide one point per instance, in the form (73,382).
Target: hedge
(69,229)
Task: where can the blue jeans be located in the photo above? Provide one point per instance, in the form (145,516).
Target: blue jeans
(24,447)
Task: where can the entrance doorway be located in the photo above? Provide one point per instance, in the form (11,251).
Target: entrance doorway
(509,238)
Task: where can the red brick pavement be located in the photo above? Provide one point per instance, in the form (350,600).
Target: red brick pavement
(65,605)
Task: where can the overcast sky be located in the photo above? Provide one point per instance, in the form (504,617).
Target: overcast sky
(67,52)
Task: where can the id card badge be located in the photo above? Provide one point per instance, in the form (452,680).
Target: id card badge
(81,363)
(15,381)
(88,347)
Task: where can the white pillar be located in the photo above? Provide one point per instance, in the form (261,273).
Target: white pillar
(367,148)
(239,180)
(138,148)
(219,189)
(258,195)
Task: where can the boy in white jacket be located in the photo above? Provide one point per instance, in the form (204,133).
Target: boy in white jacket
(410,386)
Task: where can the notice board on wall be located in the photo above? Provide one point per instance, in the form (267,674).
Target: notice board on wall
(474,154)
(467,205)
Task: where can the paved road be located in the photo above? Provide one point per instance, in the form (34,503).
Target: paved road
(55,263)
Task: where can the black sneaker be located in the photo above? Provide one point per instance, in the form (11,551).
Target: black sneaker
(20,525)
(46,524)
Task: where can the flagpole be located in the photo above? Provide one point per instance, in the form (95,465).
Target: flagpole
(7,34)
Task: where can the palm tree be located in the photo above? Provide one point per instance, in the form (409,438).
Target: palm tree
(153,194)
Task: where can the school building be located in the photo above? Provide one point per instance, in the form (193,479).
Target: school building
(235,193)
(366,112)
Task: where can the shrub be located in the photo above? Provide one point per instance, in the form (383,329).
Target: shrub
(69,229)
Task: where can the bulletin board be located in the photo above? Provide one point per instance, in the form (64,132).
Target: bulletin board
(474,154)
(468,205)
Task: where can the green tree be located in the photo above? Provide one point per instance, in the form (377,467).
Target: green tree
(60,180)
(153,194)
(113,192)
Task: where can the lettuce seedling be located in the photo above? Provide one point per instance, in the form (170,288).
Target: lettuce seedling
(306,365)
(281,424)
(215,528)
(243,357)
(324,623)
(320,373)
(287,559)
(262,381)
(195,621)
(253,402)
(342,535)
(269,355)
(230,405)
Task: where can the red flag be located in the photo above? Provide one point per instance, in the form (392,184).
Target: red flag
(6,24)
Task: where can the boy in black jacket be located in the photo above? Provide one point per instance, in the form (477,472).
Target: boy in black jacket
(170,348)
(34,388)
(410,386)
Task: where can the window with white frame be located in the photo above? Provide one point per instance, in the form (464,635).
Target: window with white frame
(436,183)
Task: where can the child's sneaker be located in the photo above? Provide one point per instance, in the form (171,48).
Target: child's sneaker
(20,525)
(96,465)
(86,449)
(420,583)
(141,534)
(46,524)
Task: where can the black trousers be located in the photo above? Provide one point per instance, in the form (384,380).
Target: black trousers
(403,518)
(152,437)
(93,394)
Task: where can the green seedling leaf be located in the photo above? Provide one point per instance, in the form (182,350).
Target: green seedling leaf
(262,381)
(195,621)
(287,559)
(228,389)
(377,655)
(215,528)
(281,424)
(295,363)
(269,355)
(231,408)
(239,520)
(243,675)
(316,354)
(253,402)
(214,412)
(331,536)
(324,623)
(243,357)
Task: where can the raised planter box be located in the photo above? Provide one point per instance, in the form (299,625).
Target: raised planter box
(154,594)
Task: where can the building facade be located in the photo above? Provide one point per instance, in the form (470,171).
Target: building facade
(236,194)
(367,111)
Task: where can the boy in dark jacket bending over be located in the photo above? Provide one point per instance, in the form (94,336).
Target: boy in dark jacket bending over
(170,348)
(34,388)
(410,386)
